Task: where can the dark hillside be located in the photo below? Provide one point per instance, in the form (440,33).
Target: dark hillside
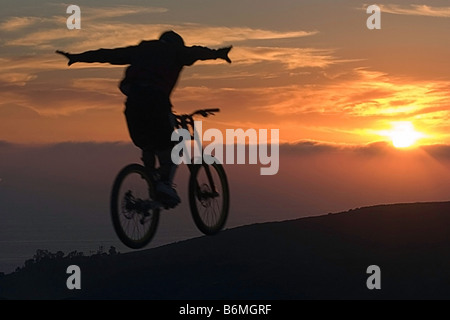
(323,257)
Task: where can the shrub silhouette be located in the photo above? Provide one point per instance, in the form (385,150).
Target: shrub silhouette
(45,257)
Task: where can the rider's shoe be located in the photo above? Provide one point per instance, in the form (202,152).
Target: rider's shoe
(167,194)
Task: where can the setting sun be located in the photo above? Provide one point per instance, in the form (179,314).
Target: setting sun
(403,134)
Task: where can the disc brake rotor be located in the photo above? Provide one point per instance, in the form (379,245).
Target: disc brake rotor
(204,199)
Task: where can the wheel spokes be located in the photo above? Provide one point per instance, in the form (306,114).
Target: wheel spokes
(208,200)
(136,208)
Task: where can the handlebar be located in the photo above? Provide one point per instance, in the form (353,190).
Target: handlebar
(202,112)
(205,112)
(185,120)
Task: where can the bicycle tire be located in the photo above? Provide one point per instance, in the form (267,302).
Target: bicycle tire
(195,195)
(117,207)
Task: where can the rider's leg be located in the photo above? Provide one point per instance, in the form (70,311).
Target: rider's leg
(167,168)
(148,157)
(166,192)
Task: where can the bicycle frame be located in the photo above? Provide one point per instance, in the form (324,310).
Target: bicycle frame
(186,121)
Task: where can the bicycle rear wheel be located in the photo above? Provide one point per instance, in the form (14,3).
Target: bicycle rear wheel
(209,197)
(134,212)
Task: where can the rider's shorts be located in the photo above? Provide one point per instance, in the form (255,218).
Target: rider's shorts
(149,118)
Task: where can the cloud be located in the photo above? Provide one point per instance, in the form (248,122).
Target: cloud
(17,78)
(293,58)
(106,34)
(374,149)
(369,93)
(105,85)
(63,98)
(314,146)
(212,35)
(380,150)
(17,23)
(33,62)
(112,26)
(106,12)
(417,10)
(14,112)
(438,151)
(89,14)
(44,83)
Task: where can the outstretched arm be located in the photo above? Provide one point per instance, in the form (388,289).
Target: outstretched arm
(112,56)
(195,53)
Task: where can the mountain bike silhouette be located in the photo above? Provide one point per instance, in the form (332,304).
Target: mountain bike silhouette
(135,209)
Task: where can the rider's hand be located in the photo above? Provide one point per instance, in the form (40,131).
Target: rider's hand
(222,53)
(69,56)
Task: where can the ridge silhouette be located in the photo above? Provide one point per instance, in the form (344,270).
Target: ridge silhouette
(323,257)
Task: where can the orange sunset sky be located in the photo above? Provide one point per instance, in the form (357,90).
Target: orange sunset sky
(309,68)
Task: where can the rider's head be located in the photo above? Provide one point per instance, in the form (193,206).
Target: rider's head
(172,37)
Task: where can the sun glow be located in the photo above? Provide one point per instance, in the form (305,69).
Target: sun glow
(403,134)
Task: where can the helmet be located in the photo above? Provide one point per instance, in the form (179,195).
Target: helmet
(172,37)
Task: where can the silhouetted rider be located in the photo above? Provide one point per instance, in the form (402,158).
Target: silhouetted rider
(149,80)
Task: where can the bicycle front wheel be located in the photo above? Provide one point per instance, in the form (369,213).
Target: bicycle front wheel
(134,215)
(209,197)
